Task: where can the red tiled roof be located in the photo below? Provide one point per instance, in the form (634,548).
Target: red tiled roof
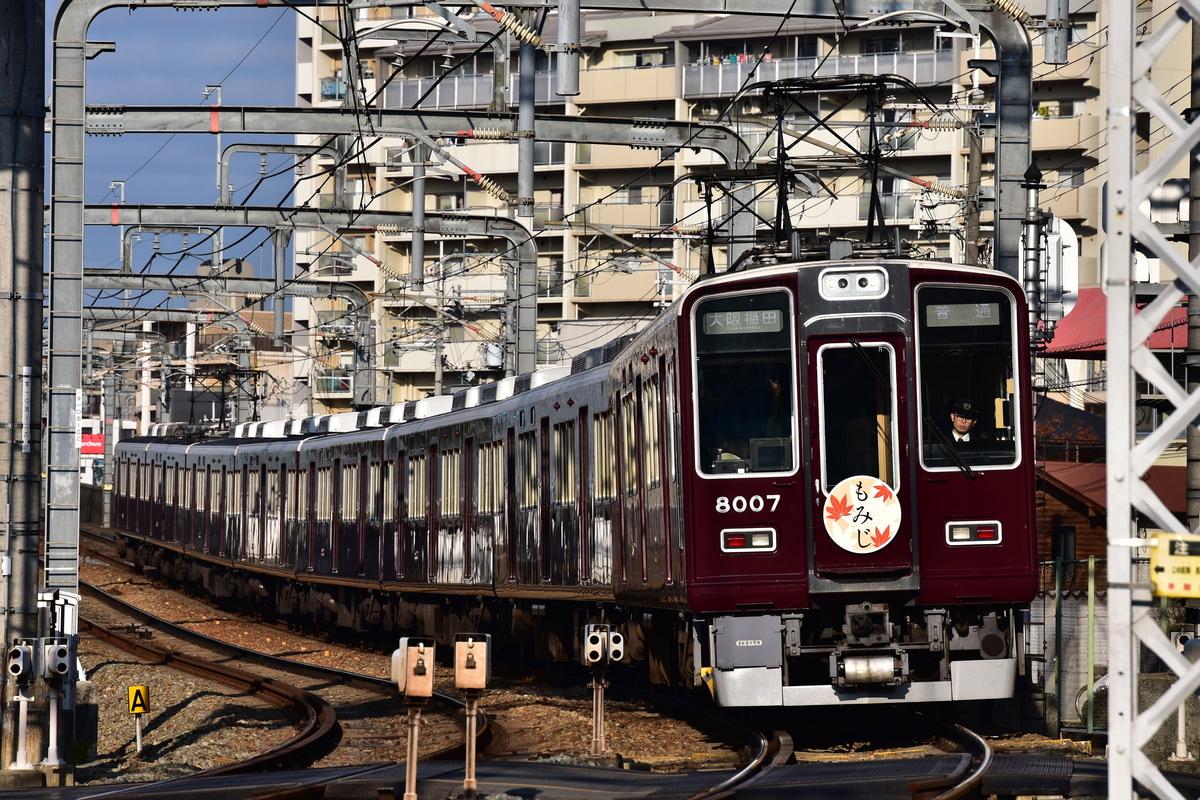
(1083,332)
(1089,483)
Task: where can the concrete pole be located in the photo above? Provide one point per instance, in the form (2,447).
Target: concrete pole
(526,111)
(22,151)
(421,155)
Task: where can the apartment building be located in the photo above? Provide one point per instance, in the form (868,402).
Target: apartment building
(618,229)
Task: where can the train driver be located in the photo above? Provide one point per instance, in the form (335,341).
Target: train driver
(964,417)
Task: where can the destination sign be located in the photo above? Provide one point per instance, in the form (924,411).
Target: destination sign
(957,315)
(767,320)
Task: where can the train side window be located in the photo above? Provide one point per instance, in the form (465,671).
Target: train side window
(967,361)
(858,411)
(745,385)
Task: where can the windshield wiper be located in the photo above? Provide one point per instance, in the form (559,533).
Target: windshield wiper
(949,447)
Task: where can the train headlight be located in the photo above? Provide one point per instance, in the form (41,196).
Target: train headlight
(853,283)
(968,533)
(747,540)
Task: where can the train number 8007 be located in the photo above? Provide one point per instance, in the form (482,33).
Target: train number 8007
(755,502)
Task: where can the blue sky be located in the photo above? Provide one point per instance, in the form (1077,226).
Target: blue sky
(167,57)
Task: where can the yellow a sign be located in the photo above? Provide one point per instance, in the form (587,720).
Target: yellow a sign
(139,699)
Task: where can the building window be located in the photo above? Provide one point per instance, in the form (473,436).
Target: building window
(641,58)
(627,195)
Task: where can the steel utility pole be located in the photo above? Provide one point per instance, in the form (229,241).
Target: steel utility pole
(22,153)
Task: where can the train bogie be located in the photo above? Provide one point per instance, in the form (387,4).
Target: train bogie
(764,492)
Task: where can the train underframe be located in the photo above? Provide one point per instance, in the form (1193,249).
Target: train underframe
(862,653)
(847,654)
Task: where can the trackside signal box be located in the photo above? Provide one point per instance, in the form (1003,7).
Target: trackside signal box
(472,660)
(1175,565)
(602,645)
(22,661)
(412,666)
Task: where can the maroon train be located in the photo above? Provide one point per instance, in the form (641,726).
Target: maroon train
(760,490)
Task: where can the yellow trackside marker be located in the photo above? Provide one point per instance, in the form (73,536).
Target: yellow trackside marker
(1175,565)
(139,699)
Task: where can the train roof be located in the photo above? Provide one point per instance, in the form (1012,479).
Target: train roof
(381,416)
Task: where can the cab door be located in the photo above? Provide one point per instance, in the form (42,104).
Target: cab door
(859,530)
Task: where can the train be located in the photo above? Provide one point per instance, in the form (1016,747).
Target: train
(762,491)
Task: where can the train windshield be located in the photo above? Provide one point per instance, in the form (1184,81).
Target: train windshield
(745,384)
(967,374)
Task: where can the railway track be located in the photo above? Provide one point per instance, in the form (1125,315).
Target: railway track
(771,763)
(342,717)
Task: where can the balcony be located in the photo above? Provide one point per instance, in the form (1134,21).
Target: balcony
(1065,133)
(725,79)
(626,84)
(463,91)
(1077,203)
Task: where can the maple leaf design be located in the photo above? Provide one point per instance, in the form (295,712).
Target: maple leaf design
(839,507)
(882,490)
(880,537)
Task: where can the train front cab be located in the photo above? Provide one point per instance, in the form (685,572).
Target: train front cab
(842,549)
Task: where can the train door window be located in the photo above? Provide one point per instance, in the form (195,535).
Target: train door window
(585,502)
(299,504)
(272,494)
(857,411)
(417,497)
(234,508)
(966,370)
(324,486)
(605,467)
(349,498)
(629,444)
(202,492)
(376,489)
(256,498)
(270,528)
(451,483)
(564,464)
(652,433)
(387,492)
(491,478)
(527,468)
(745,384)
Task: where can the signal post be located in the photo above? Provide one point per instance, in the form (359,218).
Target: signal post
(601,646)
